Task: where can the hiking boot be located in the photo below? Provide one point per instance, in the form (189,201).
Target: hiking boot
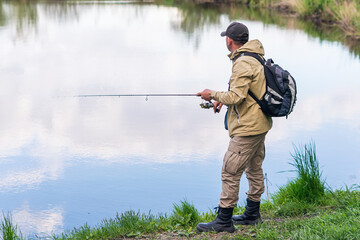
(222,222)
(251,216)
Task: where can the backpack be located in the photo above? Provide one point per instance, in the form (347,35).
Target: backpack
(280,94)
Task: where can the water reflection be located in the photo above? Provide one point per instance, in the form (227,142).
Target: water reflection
(2,16)
(23,14)
(193,18)
(42,222)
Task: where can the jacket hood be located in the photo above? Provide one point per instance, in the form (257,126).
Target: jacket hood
(254,46)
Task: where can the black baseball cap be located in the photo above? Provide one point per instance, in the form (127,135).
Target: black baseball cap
(237,32)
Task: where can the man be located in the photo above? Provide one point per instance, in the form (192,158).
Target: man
(247,126)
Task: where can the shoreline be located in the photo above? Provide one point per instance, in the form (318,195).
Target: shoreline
(335,216)
(304,207)
(344,15)
(326,16)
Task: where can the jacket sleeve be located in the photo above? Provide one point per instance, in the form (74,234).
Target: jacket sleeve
(240,80)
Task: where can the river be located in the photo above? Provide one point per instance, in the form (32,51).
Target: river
(66,161)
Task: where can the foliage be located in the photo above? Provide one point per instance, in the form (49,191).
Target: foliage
(347,14)
(348,198)
(308,187)
(8,230)
(312,6)
(185,214)
(341,224)
(342,13)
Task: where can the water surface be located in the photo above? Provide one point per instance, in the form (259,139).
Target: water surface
(65,161)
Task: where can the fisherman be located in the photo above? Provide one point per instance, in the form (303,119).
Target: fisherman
(247,126)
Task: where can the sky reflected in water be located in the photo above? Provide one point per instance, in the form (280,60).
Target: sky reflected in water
(65,161)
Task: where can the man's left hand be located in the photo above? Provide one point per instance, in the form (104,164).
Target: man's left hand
(206,94)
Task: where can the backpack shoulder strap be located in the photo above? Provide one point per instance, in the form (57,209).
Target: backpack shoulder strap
(251,54)
(255,98)
(262,61)
(254,55)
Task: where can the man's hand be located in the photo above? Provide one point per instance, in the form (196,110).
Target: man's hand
(217,106)
(206,94)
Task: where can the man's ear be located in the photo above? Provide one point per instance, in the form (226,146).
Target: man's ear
(229,40)
(230,44)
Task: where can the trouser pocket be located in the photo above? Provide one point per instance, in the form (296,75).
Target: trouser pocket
(234,159)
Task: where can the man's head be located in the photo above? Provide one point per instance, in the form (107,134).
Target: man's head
(237,34)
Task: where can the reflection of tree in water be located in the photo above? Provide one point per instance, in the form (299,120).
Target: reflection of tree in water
(324,32)
(194,17)
(2,15)
(334,34)
(62,10)
(25,14)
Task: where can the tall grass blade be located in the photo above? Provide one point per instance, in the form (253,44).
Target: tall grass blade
(308,186)
(8,230)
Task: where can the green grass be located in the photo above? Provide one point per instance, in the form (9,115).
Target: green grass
(127,224)
(342,13)
(8,230)
(185,214)
(307,191)
(308,186)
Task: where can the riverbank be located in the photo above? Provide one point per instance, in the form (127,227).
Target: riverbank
(338,218)
(302,209)
(344,14)
(196,13)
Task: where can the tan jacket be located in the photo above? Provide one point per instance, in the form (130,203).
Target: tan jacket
(245,117)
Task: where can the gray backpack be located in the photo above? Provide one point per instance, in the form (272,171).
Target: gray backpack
(280,95)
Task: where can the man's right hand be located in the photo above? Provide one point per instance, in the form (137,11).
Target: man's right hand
(217,106)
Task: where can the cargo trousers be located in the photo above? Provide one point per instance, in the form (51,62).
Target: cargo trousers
(243,154)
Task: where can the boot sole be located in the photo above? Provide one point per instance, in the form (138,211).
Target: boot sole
(227,229)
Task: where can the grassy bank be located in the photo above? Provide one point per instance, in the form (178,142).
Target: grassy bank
(339,218)
(302,209)
(342,13)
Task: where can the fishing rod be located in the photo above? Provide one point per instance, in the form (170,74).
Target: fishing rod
(141,95)
(205,105)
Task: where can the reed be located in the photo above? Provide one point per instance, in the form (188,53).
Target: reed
(305,192)
(9,230)
(347,14)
